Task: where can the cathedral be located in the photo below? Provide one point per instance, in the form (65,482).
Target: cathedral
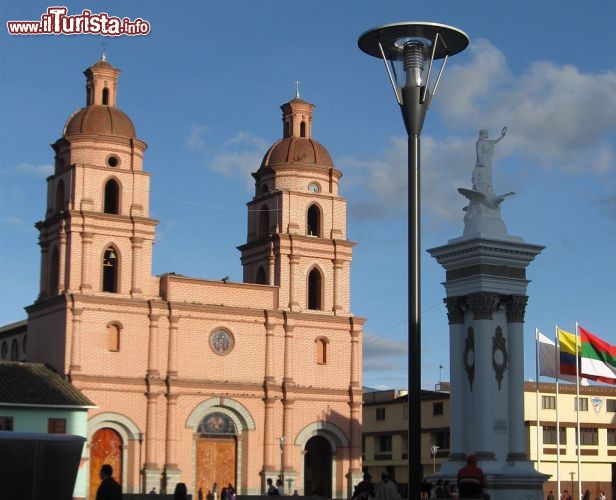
(201,381)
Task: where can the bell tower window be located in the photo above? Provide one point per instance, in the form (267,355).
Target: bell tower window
(105,96)
(302,129)
(261,278)
(264,221)
(314,290)
(110,270)
(313,226)
(60,196)
(112,197)
(54,271)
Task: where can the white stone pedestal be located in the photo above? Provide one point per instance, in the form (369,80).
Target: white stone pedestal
(486,299)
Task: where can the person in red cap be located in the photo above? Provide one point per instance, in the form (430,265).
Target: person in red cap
(471,480)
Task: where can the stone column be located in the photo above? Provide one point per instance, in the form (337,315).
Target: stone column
(338,265)
(288,353)
(86,241)
(356,329)
(287,431)
(151,470)
(173,355)
(516,306)
(75,365)
(62,259)
(136,246)
(269,401)
(482,305)
(44,266)
(293,264)
(459,379)
(172,472)
(271,264)
(153,369)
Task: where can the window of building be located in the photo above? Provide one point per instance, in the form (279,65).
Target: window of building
(314,290)
(105,96)
(6,423)
(610,405)
(441,439)
(113,161)
(14,350)
(313,227)
(583,404)
(54,271)
(302,129)
(437,408)
(385,443)
(321,351)
(56,426)
(112,197)
(261,278)
(110,271)
(264,222)
(113,337)
(548,402)
(380,413)
(611,437)
(60,196)
(549,435)
(589,436)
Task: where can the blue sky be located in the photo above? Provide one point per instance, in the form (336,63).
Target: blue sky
(203,89)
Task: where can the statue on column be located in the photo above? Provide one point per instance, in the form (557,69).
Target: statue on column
(483,211)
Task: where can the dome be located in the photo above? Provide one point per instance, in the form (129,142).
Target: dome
(100,119)
(294,150)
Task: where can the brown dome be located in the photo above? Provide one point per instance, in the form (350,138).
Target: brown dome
(297,150)
(99,119)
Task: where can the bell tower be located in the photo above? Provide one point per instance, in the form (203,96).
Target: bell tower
(297,221)
(96,237)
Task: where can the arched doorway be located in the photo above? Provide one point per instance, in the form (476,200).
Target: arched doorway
(216,457)
(318,467)
(105,448)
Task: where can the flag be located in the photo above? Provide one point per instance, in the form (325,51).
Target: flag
(598,358)
(567,352)
(547,360)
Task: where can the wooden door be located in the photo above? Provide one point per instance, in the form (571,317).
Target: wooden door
(105,448)
(216,460)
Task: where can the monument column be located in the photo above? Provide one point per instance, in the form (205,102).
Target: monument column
(516,306)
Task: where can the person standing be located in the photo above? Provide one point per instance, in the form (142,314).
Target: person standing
(181,492)
(109,489)
(365,489)
(602,496)
(271,489)
(550,496)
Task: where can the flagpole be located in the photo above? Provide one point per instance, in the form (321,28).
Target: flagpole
(577,391)
(537,386)
(557,375)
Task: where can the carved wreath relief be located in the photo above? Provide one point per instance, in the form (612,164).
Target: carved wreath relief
(500,357)
(469,356)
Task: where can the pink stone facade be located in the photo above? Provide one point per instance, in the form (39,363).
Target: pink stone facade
(166,377)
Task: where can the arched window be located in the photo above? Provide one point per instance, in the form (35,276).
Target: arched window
(60,196)
(54,271)
(261,278)
(14,350)
(112,197)
(321,351)
(302,129)
(113,337)
(110,270)
(314,290)
(264,220)
(313,226)
(105,96)
(287,128)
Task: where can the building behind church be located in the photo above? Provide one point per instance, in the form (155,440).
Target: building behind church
(195,380)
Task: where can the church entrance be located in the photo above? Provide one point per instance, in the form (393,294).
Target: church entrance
(216,454)
(318,467)
(105,448)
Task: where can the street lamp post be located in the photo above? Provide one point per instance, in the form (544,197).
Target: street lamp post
(572,474)
(413,44)
(433,450)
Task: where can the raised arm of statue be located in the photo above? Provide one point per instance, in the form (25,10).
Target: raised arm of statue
(503,133)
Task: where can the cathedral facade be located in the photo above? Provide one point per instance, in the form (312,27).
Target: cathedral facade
(201,381)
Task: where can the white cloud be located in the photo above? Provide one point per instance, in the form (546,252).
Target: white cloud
(195,140)
(556,115)
(41,170)
(382,354)
(239,156)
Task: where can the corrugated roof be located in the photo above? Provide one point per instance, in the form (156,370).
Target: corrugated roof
(36,384)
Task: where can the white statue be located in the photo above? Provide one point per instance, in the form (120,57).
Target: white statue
(483,212)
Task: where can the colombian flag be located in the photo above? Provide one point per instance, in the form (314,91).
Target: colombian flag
(567,352)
